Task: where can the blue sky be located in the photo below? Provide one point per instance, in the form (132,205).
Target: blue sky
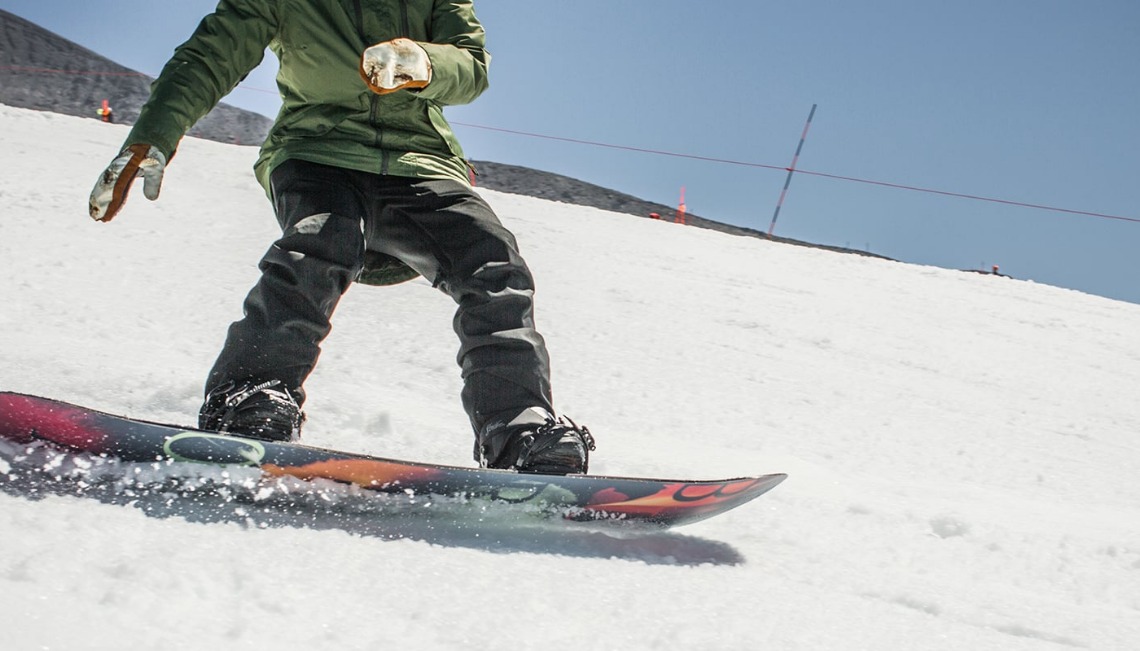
(1031,101)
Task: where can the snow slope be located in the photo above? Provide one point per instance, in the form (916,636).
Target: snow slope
(962,449)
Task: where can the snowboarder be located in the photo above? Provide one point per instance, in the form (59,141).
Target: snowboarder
(369,184)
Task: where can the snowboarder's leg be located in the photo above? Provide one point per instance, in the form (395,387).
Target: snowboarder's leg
(447,233)
(450,235)
(303,276)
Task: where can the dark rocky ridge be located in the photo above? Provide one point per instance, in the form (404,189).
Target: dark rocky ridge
(556,187)
(30,58)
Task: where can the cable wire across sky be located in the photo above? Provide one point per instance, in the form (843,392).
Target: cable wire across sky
(659,152)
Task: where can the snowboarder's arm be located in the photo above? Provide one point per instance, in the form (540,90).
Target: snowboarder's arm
(226,45)
(459,61)
(223,49)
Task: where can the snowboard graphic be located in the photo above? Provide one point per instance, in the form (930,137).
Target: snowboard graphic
(29,420)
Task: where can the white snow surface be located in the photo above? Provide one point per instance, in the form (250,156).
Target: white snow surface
(963,449)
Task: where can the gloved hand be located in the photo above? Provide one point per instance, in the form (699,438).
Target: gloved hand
(393,65)
(111,189)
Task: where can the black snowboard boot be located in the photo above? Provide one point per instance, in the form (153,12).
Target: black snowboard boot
(265,410)
(534,441)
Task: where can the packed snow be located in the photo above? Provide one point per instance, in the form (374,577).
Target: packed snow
(962,449)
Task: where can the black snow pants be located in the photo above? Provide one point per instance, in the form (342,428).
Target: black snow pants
(329,217)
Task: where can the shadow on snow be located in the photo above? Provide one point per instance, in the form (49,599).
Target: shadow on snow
(209,495)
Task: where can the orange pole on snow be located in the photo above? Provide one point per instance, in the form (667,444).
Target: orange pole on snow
(681,208)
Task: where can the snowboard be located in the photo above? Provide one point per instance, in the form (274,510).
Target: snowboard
(630,501)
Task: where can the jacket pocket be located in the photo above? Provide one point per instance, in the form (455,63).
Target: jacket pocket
(443,129)
(312,121)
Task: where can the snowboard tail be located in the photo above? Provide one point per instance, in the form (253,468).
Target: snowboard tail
(26,419)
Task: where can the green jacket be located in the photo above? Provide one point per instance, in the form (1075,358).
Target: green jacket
(328,115)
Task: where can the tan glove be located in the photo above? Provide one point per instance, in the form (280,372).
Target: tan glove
(111,189)
(394,65)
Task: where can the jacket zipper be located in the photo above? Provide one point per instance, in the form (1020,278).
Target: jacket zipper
(405,31)
(374,101)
